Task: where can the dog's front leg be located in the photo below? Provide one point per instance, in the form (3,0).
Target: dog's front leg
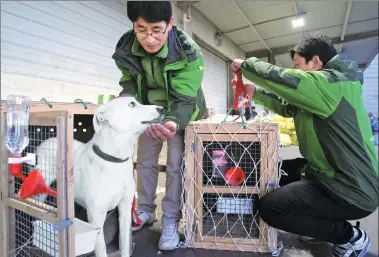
(97,218)
(125,219)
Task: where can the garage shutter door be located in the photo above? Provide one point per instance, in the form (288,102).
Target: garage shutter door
(60,50)
(370,87)
(215,84)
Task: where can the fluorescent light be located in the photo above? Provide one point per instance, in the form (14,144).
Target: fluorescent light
(298,23)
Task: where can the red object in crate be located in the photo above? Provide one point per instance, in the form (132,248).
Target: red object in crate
(235,176)
(15,169)
(34,185)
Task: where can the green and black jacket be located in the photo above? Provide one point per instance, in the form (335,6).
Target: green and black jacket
(183,73)
(332,124)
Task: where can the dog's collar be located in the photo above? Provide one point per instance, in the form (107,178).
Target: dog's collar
(109,158)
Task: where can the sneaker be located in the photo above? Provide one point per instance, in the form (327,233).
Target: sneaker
(146,218)
(356,248)
(310,240)
(170,237)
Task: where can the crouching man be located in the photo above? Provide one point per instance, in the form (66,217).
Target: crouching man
(324,95)
(161,65)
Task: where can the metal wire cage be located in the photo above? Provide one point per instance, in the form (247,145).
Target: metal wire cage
(227,169)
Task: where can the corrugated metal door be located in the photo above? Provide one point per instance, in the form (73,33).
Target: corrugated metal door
(60,50)
(215,81)
(370,87)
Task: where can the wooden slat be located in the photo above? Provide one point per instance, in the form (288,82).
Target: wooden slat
(4,214)
(46,118)
(76,108)
(230,190)
(232,128)
(189,186)
(70,184)
(61,183)
(272,176)
(199,201)
(32,209)
(231,247)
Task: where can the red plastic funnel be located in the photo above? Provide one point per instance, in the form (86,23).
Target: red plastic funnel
(15,169)
(33,185)
(234,176)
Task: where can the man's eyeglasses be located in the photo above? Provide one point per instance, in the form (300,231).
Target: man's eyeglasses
(155,34)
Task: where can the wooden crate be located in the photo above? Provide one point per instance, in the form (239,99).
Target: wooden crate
(61,120)
(203,192)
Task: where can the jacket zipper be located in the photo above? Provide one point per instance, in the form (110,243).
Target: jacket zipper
(152,66)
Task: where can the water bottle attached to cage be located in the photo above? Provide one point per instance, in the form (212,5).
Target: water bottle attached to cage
(16,140)
(17,135)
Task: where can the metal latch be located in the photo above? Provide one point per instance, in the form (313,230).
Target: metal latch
(62,225)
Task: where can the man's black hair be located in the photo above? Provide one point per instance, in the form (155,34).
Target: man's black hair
(150,11)
(318,44)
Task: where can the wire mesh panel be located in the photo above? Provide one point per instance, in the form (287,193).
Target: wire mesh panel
(228,167)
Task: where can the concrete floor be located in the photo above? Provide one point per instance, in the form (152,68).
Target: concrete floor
(146,240)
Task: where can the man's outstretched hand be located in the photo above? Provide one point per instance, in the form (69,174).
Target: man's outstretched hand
(236,65)
(250,89)
(162,132)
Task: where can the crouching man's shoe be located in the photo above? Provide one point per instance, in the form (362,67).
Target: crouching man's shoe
(170,237)
(357,247)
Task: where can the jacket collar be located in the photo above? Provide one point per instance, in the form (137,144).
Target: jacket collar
(125,56)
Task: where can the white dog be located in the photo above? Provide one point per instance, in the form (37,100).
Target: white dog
(103,168)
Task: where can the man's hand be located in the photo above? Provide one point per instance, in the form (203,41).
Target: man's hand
(236,65)
(250,89)
(162,132)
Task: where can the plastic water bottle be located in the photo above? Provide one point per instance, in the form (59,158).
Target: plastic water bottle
(17,136)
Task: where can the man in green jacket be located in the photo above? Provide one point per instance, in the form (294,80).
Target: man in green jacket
(323,93)
(161,65)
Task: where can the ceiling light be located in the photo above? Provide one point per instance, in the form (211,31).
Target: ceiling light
(298,23)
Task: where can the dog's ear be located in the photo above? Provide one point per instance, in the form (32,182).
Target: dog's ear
(99,118)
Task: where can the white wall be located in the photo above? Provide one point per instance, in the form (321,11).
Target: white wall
(205,30)
(61,50)
(370,87)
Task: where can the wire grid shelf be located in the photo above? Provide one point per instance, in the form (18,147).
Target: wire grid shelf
(219,213)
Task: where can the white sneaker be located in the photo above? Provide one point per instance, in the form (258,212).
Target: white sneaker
(170,237)
(147,218)
(359,248)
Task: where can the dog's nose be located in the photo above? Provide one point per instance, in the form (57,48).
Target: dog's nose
(160,110)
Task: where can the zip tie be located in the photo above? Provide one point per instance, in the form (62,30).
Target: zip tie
(81,101)
(278,250)
(47,102)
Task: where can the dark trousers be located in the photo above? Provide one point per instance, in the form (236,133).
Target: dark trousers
(308,209)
